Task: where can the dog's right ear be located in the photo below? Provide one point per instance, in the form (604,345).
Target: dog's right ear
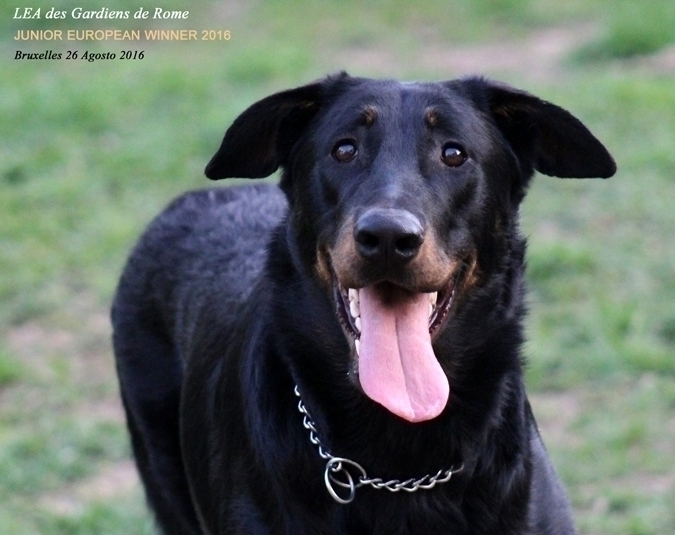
(261,138)
(544,136)
(557,143)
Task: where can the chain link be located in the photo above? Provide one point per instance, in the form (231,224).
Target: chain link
(337,473)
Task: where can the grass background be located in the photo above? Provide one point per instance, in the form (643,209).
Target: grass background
(90,152)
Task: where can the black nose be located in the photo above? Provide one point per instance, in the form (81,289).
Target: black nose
(388,236)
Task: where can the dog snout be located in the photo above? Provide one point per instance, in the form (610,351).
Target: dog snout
(388,237)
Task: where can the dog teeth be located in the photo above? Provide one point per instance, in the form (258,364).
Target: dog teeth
(357,345)
(433,298)
(354,309)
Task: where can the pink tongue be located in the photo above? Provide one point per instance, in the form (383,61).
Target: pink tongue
(397,366)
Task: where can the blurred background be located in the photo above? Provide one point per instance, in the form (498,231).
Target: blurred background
(91,151)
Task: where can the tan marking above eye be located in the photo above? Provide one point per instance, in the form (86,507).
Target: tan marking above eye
(431,117)
(369,115)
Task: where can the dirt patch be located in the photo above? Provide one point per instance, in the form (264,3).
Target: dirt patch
(108,409)
(110,482)
(556,413)
(539,56)
(662,62)
(32,339)
(80,344)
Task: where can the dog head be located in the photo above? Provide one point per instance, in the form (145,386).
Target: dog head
(405,196)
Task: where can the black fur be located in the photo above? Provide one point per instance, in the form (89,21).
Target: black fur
(224,307)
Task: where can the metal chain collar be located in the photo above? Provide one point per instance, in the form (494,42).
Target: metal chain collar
(337,472)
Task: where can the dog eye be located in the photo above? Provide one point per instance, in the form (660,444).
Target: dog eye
(453,155)
(345,151)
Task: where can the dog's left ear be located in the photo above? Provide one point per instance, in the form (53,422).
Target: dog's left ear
(554,141)
(262,137)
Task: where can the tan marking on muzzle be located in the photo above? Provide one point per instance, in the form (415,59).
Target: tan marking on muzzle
(322,267)
(472,276)
(429,271)
(344,257)
(432,268)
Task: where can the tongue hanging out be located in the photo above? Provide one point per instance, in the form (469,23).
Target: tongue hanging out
(397,366)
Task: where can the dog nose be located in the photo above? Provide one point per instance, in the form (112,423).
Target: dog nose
(388,236)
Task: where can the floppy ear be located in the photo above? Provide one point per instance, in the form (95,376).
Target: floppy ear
(554,141)
(261,138)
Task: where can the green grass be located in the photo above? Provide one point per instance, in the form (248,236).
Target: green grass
(92,151)
(633,29)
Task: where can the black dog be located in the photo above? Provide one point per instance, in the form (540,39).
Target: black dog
(376,297)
